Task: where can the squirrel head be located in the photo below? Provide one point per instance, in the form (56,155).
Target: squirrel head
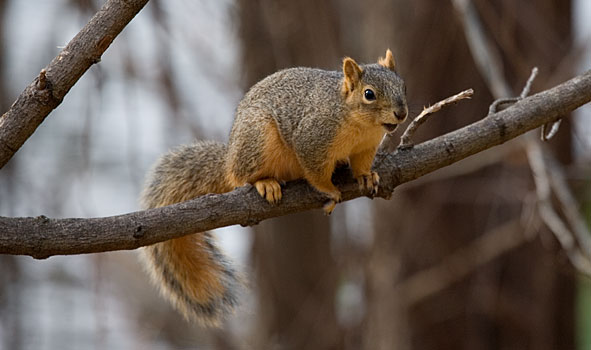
(375,93)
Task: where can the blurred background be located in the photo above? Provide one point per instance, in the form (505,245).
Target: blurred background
(459,259)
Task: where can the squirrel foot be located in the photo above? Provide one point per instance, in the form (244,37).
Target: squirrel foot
(369,182)
(329,206)
(269,189)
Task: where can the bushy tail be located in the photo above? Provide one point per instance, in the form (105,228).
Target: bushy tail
(191,271)
(193,274)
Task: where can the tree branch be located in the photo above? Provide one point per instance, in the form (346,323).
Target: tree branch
(41,237)
(47,90)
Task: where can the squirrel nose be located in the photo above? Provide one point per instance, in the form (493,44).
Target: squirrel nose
(400,115)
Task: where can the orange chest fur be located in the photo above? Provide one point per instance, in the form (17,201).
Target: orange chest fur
(280,161)
(355,137)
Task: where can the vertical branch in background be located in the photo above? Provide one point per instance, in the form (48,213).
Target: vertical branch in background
(487,58)
(297,276)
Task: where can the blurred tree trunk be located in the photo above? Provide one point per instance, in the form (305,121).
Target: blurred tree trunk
(296,274)
(525,298)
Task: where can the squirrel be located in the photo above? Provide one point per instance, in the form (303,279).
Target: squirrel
(296,123)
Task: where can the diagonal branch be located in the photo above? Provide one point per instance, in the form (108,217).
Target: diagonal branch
(47,90)
(547,213)
(42,237)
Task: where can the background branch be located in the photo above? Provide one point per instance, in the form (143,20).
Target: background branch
(42,237)
(491,69)
(47,90)
(461,263)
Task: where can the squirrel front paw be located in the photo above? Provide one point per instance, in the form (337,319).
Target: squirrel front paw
(328,207)
(269,189)
(369,182)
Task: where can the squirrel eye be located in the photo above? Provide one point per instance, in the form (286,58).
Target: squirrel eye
(369,94)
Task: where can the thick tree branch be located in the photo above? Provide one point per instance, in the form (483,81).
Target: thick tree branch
(42,237)
(47,91)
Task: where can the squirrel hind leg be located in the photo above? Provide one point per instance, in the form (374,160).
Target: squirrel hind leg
(322,182)
(270,189)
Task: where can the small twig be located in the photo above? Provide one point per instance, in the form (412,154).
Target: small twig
(547,135)
(505,102)
(405,140)
(528,84)
(508,101)
(42,81)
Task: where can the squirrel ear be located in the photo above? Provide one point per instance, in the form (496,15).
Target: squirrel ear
(352,73)
(388,61)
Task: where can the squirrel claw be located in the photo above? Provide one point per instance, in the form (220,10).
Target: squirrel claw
(369,182)
(269,189)
(329,206)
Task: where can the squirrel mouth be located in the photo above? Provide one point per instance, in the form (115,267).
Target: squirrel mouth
(390,127)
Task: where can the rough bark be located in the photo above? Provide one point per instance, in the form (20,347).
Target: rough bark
(41,237)
(48,90)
